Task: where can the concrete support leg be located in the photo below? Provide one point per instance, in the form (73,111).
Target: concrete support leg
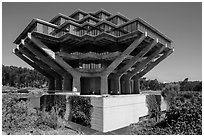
(67,84)
(51,84)
(127,86)
(76,84)
(111,85)
(104,85)
(117,88)
(136,87)
(58,84)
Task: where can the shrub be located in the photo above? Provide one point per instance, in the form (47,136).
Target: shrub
(154,106)
(186,118)
(16,115)
(20,115)
(182,118)
(169,93)
(48,119)
(80,110)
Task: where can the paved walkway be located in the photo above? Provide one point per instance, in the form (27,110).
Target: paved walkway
(89,131)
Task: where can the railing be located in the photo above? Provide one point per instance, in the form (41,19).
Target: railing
(90,70)
(91,66)
(55,31)
(94,55)
(49,30)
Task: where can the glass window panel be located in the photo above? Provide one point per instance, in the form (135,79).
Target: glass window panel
(50,30)
(63,20)
(80,16)
(39,27)
(134,26)
(45,29)
(129,28)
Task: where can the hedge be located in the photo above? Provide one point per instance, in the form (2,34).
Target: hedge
(80,110)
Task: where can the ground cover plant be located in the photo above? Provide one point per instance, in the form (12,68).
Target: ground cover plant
(183,117)
(19,117)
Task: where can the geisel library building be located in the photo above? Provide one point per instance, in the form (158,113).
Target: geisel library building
(94,53)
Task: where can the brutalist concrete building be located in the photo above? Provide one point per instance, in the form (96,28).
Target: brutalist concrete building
(92,53)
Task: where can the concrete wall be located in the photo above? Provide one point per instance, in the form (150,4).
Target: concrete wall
(113,112)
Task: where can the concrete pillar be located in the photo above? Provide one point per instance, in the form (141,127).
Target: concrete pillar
(58,84)
(76,84)
(136,86)
(127,86)
(67,84)
(104,85)
(111,85)
(117,88)
(51,84)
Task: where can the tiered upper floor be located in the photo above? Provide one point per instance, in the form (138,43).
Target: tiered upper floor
(104,35)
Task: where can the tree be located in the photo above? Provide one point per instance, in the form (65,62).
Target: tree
(21,77)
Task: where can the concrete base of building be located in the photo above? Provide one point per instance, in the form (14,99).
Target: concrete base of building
(111,112)
(118,111)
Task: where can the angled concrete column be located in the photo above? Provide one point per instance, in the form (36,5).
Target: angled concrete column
(67,87)
(136,85)
(104,85)
(52,55)
(51,84)
(123,55)
(58,84)
(31,63)
(153,64)
(144,63)
(37,61)
(132,61)
(76,84)
(51,80)
(128,76)
(45,59)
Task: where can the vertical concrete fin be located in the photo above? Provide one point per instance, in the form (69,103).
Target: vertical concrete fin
(104,85)
(76,83)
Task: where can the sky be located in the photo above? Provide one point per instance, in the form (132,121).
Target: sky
(181,22)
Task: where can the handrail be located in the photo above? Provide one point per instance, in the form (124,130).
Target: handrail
(76,29)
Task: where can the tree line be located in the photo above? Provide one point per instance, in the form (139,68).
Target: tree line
(23,77)
(184,85)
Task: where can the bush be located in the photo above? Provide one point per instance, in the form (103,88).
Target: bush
(154,106)
(169,93)
(48,119)
(80,110)
(16,115)
(186,117)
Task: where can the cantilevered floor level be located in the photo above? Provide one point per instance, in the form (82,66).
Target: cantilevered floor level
(92,53)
